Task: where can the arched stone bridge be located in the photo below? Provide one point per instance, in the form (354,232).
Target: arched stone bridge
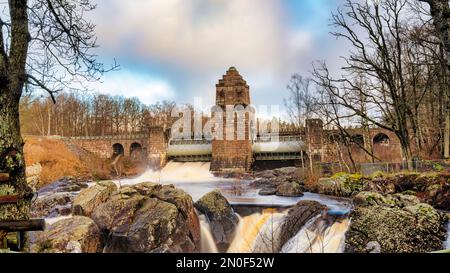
(151,146)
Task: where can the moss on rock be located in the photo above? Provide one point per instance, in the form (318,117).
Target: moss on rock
(399,223)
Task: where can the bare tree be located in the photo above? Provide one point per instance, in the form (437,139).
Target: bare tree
(301,106)
(374,30)
(440,13)
(46,45)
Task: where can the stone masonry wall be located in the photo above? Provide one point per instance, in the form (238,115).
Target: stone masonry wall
(157,150)
(232,153)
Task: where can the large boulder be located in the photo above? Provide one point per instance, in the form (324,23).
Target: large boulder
(76,234)
(90,198)
(290,189)
(366,198)
(397,223)
(221,216)
(149,217)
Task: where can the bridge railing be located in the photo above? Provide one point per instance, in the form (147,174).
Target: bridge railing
(280,139)
(112,137)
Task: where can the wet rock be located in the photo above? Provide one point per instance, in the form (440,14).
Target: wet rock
(52,205)
(287,172)
(274,178)
(398,223)
(75,234)
(297,217)
(66,184)
(220,214)
(88,199)
(267,191)
(148,218)
(265,183)
(288,189)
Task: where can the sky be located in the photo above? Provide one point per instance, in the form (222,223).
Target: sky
(179,49)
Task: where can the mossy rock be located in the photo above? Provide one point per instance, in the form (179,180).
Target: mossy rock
(409,193)
(342,184)
(220,214)
(412,229)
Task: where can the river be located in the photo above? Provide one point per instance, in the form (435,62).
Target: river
(258,232)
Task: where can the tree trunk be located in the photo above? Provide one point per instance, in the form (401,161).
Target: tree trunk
(12,79)
(12,159)
(440,12)
(406,150)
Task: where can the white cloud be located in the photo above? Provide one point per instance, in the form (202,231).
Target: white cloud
(129,84)
(203,35)
(191,43)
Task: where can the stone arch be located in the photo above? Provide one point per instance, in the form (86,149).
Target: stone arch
(118,150)
(381,139)
(136,151)
(358,139)
(334,137)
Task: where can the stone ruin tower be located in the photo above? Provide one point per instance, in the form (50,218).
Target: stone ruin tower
(233,152)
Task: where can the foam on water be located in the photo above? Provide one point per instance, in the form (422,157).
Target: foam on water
(176,172)
(319,236)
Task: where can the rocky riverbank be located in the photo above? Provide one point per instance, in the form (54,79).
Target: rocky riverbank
(432,188)
(389,215)
(146,217)
(392,212)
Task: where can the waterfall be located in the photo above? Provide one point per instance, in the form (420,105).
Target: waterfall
(196,172)
(261,232)
(192,177)
(257,233)
(319,236)
(207,244)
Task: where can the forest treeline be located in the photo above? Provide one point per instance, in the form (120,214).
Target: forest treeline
(84,114)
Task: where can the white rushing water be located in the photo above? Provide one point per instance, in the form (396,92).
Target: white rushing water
(193,177)
(319,236)
(207,244)
(261,233)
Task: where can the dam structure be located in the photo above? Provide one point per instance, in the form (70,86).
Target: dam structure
(238,146)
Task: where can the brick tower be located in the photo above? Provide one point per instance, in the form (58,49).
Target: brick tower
(233,152)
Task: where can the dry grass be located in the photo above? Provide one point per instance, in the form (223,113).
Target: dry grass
(53,155)
(58,160)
